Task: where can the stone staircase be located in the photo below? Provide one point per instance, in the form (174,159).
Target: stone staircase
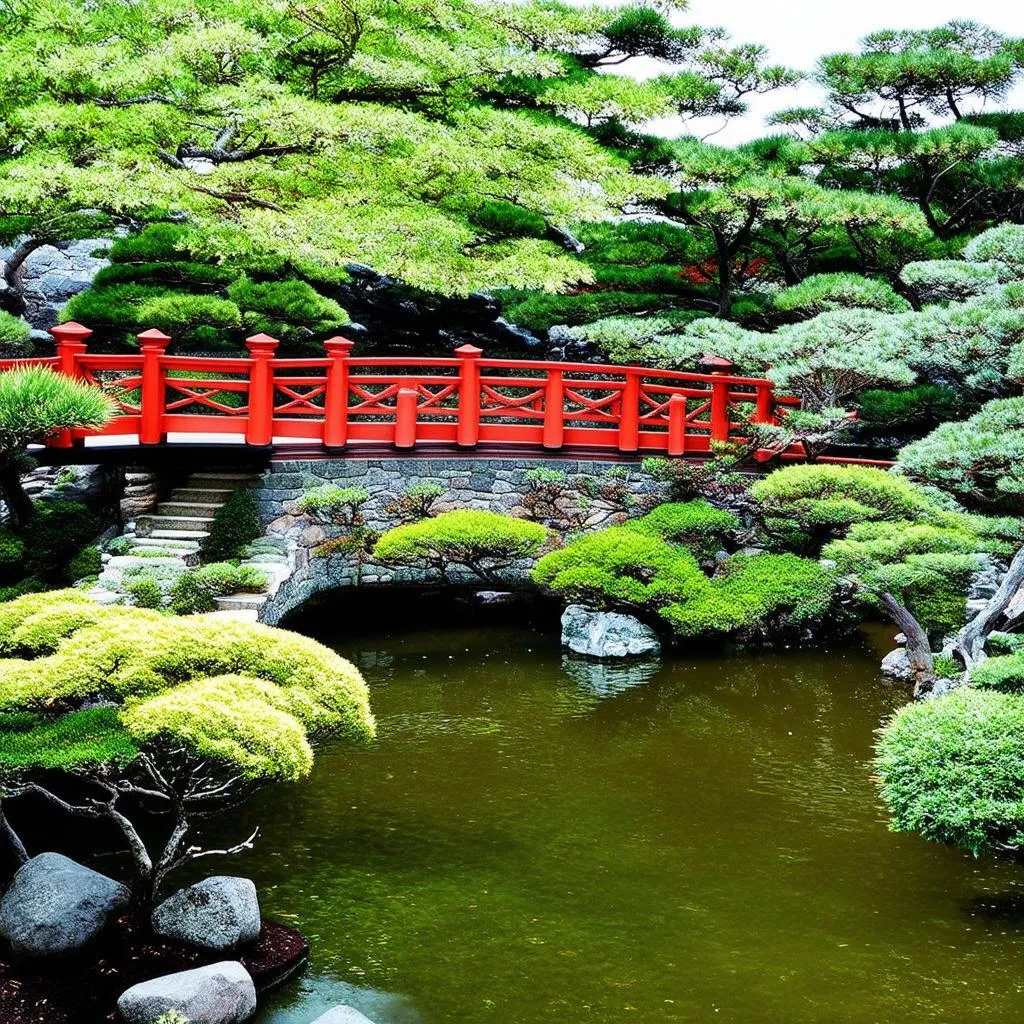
(166,542)
(182,522)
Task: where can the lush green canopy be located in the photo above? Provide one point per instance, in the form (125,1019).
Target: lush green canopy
(441,142)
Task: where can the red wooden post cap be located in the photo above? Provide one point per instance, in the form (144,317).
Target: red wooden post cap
(338,345)
(469,351)
(70,332)
(153,339)
(261,343)
(716,364)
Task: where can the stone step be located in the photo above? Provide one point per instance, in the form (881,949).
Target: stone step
(219,481)
(165,534)
(221,474)
(240,602)
(212,495)
(198,509)
(186,547)
(175,521)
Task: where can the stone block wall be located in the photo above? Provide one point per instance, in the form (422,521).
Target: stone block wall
(492,484)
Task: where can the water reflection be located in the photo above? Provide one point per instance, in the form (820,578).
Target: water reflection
(607,678)
(318,994)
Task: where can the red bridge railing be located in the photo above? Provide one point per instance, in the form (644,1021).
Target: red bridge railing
(466,400)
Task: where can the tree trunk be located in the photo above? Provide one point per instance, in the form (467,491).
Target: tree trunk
(919,650)
(12,298)
(970,641)
(13,839)
(19,504)
(724,260)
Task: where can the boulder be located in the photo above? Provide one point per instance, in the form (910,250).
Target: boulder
(222,993)
(896,665)
(55,906)
(220,913)
(606,634)
(343,1015)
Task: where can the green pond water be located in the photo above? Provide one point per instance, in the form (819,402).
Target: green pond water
(534,839)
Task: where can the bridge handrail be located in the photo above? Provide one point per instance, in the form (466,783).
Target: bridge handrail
(465,399)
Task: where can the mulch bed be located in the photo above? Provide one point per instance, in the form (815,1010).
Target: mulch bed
(85,991)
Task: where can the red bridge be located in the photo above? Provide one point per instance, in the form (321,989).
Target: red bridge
(338,401)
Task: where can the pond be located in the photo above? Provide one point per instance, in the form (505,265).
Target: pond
(535,839)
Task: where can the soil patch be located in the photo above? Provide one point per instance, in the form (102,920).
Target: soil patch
(86,991)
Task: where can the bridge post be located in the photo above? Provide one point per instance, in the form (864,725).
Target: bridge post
(336,393)
(677,425)
(468,430)
(70,339)
(718,367)
(764,408)
(153,344)
(259,430)
(405,415)
(629,413)
(554,413)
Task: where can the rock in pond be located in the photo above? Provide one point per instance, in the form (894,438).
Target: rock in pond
(220,913)
(606,634)
(896,665)
(222,993)
(343,1015)
(56,906)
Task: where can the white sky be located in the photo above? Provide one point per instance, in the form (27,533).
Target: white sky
(797,32)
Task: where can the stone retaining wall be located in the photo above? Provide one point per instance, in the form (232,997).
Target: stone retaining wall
(492,484)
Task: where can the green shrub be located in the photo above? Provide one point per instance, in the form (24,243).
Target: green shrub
(55,534)
(87,562)
(922,406)
(948,280)
(1005,673)
(14,337)
(191,320)
(820,293)
(687,479)
(12,547)
(932,586)
(1001,247)
(155,243)
(1005,643)
(697,525)
(145,592)
(980,460)
(766,596)
(507,219)
(197,276)
(290,310)
(541,311)
(43,631)
(329,503)
(868,544)
(196,590)
(641,572)
(119,545)
(415,503)
(235,524)
(29,585)
(946,667)
(952,769)
(620,567)
(482,543)
(802,506)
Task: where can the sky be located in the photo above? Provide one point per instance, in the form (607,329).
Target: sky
(797,32)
